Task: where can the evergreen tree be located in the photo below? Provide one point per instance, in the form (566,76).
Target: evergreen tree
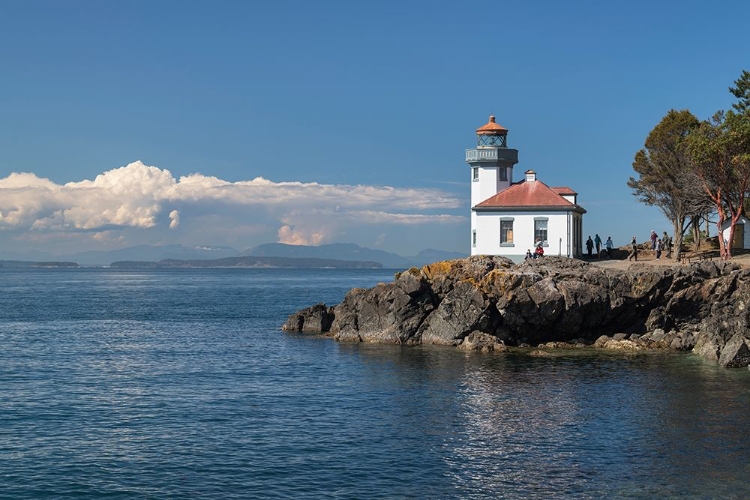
(742,92)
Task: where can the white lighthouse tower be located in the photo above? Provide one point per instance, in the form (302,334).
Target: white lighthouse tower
(491,166)
(491,162)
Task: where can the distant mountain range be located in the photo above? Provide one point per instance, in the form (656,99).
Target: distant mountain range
(227,262)
(366,257)
(350,251)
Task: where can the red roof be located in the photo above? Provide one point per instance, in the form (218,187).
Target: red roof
(564,191)
(529,194)
(492,128)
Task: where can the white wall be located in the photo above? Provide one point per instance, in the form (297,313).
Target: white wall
(487,226)
(489,183)
(746,234)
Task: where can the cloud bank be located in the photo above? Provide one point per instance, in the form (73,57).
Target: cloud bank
(122,202)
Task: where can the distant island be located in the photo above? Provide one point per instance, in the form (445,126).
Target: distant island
(15,264)
(249,262)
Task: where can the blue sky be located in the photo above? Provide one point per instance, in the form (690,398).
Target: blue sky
(241,123)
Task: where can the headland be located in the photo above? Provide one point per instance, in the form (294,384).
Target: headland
(490,304)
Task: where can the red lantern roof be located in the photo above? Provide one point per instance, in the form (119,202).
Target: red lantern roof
(492,128)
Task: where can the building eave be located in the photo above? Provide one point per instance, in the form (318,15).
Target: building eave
(532,208)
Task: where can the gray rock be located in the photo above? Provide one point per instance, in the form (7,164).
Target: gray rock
(602,341)
(708,346)
(384,314)
(623,345)
(314,319)
(657,335)
(463,310)
(683,340)
(735,353)
(484,342)
(700,307)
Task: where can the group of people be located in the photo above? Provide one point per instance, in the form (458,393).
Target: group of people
(538,251)
(597,242)
(658,246)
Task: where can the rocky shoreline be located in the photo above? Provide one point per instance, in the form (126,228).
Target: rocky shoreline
(490,304)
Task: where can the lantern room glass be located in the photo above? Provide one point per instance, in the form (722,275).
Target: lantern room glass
(498,141)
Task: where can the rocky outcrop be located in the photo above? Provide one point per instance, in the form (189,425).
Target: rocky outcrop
(315,319)
(487,303)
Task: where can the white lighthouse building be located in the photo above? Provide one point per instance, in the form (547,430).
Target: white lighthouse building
(508,218)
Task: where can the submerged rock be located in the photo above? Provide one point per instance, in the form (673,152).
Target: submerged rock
(485,302)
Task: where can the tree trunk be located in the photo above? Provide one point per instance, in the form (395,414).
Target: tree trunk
(677,239)
(719,223)
(696,227)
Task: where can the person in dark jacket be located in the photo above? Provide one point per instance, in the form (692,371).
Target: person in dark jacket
(633,250)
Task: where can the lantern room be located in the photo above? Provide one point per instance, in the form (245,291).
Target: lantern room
(492,134)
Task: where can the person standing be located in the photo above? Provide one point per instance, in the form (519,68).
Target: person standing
(608,245)
(666,244)
(658,248)
(633,250)
(598,243)
(654,237)
(589,246)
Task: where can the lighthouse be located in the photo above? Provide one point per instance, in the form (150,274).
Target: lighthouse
(508,218)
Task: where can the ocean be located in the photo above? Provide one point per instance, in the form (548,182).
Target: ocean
(180,384)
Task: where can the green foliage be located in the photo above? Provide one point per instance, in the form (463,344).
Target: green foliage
(663,165)
(690,169)
(665,172)
(690,237)
(720,151)
(742,92)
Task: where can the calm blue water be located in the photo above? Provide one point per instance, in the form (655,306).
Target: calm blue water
(179,384)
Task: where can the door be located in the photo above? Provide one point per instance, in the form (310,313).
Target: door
(739,236)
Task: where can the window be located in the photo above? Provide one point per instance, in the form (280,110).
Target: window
(506,232)
(475,174)
(502,174)
(474,238)
(540,230)
(492,140)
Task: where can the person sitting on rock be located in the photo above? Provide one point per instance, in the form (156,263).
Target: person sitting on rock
(528,255)
(539,252)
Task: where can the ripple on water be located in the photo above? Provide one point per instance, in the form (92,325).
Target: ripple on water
(179,385)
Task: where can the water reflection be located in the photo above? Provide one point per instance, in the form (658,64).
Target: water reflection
(586,425)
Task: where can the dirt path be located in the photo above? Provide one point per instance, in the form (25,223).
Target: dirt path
(646,258)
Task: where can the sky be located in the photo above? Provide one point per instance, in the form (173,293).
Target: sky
(241,123)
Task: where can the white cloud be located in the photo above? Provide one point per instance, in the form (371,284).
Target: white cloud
(138,197)
(301,236)
(174,217)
